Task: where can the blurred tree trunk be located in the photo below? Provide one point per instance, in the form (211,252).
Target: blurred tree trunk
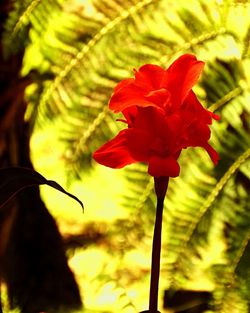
(32,259)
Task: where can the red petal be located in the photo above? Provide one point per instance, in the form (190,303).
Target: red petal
(163,167)
(212,153)
(130,114)
(214,116)
(128,96)
(130,92)
(123,83)
(161,132)
(182,76)
(139,141)
(153,121)
(115,153)
(161,97)
(149,77)
(129,146)
(192,109)
(198,133)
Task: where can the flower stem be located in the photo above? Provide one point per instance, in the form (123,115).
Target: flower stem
(161,185)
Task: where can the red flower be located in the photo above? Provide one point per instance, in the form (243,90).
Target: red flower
(163,117)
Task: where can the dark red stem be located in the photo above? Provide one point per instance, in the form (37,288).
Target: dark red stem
(161,184)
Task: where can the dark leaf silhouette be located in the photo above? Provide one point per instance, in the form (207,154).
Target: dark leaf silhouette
(14,179)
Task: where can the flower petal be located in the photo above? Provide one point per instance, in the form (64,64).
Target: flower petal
(133,91)
(124,83)
(149,77)
(127,96)
(181,76)
(161,97)
(212,153)
(214,116)
(195,135)
(139,141)
(193,110)
(130,114)
(115,153)
(129,146)
(158,167)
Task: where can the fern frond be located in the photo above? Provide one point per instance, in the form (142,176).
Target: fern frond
(213,196)
(24,17)
(20,20)
(111,24)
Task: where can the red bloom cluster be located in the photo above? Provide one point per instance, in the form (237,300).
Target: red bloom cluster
(163,116)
